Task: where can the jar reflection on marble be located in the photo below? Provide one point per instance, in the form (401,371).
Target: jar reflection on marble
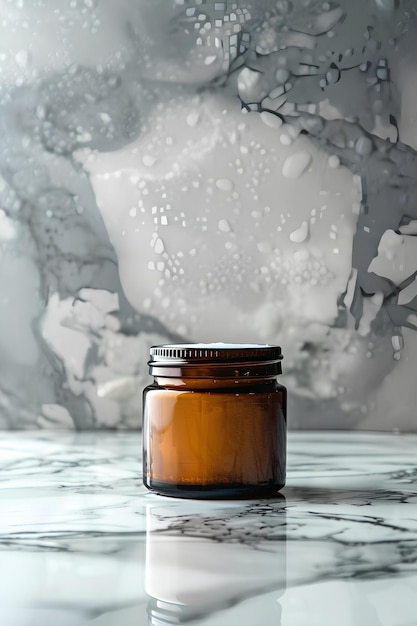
(215,421)
(191,574)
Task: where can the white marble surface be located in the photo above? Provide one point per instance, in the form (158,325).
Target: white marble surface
(82,542)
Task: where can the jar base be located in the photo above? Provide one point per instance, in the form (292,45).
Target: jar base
(234,491)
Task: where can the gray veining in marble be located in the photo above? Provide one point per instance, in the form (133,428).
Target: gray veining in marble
(83,543)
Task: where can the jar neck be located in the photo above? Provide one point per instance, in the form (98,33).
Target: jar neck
(217,383)
(215,371)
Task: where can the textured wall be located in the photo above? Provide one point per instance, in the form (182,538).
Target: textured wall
(208,171)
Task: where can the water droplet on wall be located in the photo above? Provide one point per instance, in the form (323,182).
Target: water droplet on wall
(193,118)
(210,59)
(363,146)
(247,80)
(224,226)
(264,247)
(22,58)
(148,160)
(397,342)
(271,120)
(285,139)
(296,164)
(300,234)
(282,75)
(159,246)
(224,184)
(333,161)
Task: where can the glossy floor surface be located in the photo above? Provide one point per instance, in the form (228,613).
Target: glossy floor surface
(83,543)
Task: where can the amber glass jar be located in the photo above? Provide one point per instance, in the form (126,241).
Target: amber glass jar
(214,421)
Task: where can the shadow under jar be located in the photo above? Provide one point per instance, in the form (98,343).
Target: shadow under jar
(214,421)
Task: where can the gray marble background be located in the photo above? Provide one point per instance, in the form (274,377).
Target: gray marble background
(207,171)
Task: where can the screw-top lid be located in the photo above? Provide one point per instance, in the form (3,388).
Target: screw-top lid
(212,352)
(215,359)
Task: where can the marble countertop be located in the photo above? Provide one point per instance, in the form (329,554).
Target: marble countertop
(84,543)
